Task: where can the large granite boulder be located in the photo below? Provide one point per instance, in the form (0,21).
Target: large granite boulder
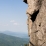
(36,22)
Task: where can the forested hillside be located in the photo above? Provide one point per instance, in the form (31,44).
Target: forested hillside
(6,40)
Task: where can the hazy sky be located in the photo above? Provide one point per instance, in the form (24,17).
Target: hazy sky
(13,16)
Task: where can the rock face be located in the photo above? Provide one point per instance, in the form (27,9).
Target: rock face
(36,22)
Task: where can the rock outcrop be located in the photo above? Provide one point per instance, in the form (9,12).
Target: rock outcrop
(36,22)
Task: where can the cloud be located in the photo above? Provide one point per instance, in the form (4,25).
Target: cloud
(5,25)
(12,21)
(15,24)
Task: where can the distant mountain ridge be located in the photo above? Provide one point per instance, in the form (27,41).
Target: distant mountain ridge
(17,34)
(7,40)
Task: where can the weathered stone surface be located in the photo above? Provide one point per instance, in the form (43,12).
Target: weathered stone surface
(29,23)
(36,22)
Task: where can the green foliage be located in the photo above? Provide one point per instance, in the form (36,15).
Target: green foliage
(6,40)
